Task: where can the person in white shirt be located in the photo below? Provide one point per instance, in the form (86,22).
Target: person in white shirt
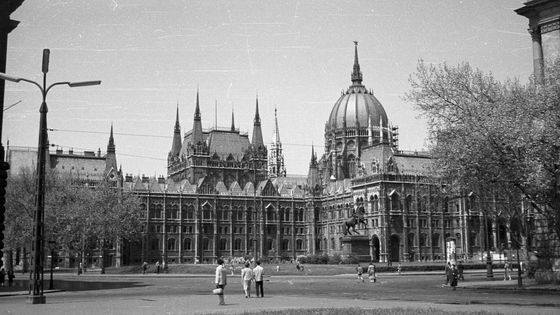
(221,280)
(258,272)
(246,277)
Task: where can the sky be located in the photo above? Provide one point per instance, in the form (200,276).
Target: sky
(296,56)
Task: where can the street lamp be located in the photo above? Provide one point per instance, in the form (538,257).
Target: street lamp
(52,246)
(36,278)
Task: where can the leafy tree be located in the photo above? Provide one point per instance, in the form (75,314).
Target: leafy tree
(500,138)
(75,215)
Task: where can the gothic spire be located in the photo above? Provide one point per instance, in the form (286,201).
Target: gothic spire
(197,125)
(276,134)
(257,132)
(111,145)
(356,73)
(176,144)
(111,157)
(232,120)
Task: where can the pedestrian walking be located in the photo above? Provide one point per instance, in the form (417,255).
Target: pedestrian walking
(507,275)
(11,276)
(399,268)
(448,272)
(164,266)
(221,281)
(157,266)
(360,271)
(2,276)
(371,272)
(461,269)
(454,277)
(144,267)
(247,276)
(258,272)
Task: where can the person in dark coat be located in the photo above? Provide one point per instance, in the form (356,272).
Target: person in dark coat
(448,272)
(11,277)
(461,269)
(454,277)
(2,276)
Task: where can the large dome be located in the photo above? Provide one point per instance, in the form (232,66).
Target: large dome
(355,106)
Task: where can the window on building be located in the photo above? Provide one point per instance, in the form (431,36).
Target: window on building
(223,244)
(171,244)
(206,245)
(237,245)
(285,244)
(299,244)
(187,244)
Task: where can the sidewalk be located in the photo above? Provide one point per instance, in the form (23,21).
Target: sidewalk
(235,304)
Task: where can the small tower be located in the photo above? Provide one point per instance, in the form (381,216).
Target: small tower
(176,144)
(197,137)
(313,179)
(276,167)
(257,140)
(111,158)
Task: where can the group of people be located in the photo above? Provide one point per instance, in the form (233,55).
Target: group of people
(248,275)
(10,274)
(453,274)
(159,267)
(370,271)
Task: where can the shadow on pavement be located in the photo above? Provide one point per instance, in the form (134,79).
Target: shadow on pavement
(72,285)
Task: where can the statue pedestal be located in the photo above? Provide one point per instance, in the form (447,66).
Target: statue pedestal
(356,245)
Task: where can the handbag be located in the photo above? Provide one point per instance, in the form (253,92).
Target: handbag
(218,291)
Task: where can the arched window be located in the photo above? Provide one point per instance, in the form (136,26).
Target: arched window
(299,244)
(223,244)
(422,239)
(206,244)
(269,244)
(435,240)
(171,244)
(187,244)
(375,203)
(237,245)
(351,166)
(285,244)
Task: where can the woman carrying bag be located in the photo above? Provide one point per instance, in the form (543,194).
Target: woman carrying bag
(221,281)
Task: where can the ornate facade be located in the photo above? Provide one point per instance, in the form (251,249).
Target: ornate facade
(224,196)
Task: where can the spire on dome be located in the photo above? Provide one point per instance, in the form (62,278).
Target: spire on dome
(356,73)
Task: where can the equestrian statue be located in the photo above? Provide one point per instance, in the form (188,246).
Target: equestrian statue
(351,224)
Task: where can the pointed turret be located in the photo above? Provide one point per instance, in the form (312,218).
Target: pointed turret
(257,139)
(176,145)
(197,124)
(313,179)
(356,73)
(276,167)
(232,121)
(111,158)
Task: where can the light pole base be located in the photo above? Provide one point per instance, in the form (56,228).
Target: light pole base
(36,299)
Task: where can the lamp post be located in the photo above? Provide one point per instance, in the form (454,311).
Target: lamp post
(36,276)
(51,247)
(489,273)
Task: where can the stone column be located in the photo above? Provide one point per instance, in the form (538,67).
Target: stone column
(538,63)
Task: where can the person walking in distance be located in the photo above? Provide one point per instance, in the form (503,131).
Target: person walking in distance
(371,272)
(258,271)
(246,277)
(221,280)
(360,271)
